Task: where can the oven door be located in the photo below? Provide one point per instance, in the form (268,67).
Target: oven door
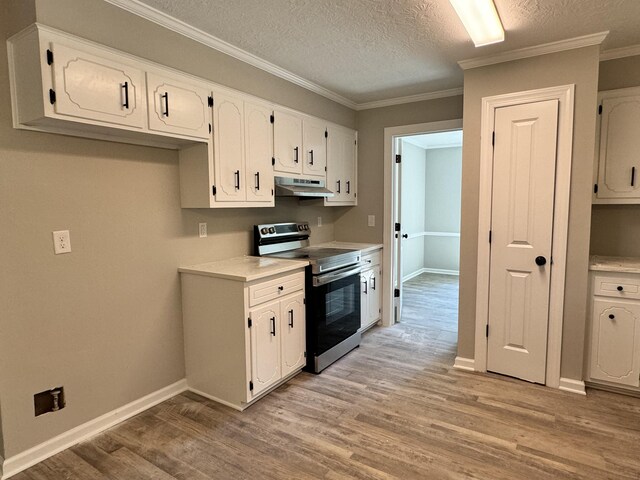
(334,310)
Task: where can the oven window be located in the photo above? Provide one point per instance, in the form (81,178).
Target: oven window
(335,310)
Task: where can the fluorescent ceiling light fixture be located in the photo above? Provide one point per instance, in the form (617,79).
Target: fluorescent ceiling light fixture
(481,20)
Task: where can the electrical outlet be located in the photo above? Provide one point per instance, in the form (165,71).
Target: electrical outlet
(372,221)
(202,228)
(319,221)
(61,242)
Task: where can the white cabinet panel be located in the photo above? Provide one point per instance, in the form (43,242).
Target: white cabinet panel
(615,342)
(177,107)
(292,330)
(89,87)
(315,147)
(258,151)
(341,166)
(265,347)
(228,146)
(287,142)
(374,296)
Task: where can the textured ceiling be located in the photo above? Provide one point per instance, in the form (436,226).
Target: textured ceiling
(369,50)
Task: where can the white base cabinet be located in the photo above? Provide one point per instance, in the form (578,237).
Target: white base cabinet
(371,293)
(614,339)
(242,339)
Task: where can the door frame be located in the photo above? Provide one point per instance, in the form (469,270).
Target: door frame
(391,134)
(565,96)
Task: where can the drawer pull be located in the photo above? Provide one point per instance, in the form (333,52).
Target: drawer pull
(281,288)
(612,316)
(620,288)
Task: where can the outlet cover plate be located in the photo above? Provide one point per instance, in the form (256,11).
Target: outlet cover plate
(61,242)
(371,221)
(202,229)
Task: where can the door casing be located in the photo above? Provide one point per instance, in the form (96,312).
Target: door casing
(565,95)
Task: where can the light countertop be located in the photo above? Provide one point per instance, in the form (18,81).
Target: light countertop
(245,269)
(363,247)
(614,264)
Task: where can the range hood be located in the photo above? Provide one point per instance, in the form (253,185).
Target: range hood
(301,187)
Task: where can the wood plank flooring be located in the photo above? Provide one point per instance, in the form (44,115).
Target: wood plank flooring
(392,409)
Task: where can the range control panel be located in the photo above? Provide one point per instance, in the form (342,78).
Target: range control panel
(275,230)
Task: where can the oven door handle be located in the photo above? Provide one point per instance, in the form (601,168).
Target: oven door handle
(334,276)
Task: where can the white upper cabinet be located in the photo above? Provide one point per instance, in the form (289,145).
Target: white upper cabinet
(177,107)
(287,142)
(341,165)
(258,152)
(228,145)
(314,161)
(618,149)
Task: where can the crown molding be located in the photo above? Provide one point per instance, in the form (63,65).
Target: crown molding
(452,92)
(622,52)
(559,46)
(178,26)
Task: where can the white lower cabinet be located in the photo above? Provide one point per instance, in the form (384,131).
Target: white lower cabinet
(238,344)
(371,295)
(614,343)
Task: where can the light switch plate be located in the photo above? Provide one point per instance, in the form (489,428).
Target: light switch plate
(319,221)
(61,242)
(202,230)
(372,221)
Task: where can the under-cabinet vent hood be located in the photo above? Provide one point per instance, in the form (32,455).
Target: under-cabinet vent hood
(301,187)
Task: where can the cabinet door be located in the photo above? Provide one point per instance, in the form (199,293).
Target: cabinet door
(374,296)
(341,167)
(364,298)
(619,163)
(177,107)
(287,142)
(93,88)
(259,150)
(292,330)
(265,346)
(314,160)
(228,147)
(615,342)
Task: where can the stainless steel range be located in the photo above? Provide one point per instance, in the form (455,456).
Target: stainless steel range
(332,290)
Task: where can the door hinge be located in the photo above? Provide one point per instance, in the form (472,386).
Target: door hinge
(326,134)
(398,158)
(325,169)
(272,192)
(599,109)
(213,190)
(52,96)
(304,301)
(272,118)
(305,354)
(250,386)
(396,292)
(273,160)
(397,227)
(49,57)
(489,236)
(487,331)
(209,128)
(211,101)
(595,188)
(249,323)
(493,139)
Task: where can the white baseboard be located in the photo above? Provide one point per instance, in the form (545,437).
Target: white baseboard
(28,458)
(219,400)
(573,386)
(439,271)
(467,364)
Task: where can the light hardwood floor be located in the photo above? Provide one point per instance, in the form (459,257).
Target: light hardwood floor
(394,408)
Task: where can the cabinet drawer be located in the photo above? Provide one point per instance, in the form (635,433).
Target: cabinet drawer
(618,287)
(279,287)
(372,258)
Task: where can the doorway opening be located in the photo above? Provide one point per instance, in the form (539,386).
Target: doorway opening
(427,224)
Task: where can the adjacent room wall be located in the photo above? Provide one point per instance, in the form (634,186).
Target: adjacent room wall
(615,229)
(413,204)
(579,67)
(443,184)
(105,320)
(351,224)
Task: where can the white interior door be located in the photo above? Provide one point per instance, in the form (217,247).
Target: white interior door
(524,167)
(397,215)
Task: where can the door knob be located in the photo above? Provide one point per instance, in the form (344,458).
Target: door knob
(405,235)
(540,261)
